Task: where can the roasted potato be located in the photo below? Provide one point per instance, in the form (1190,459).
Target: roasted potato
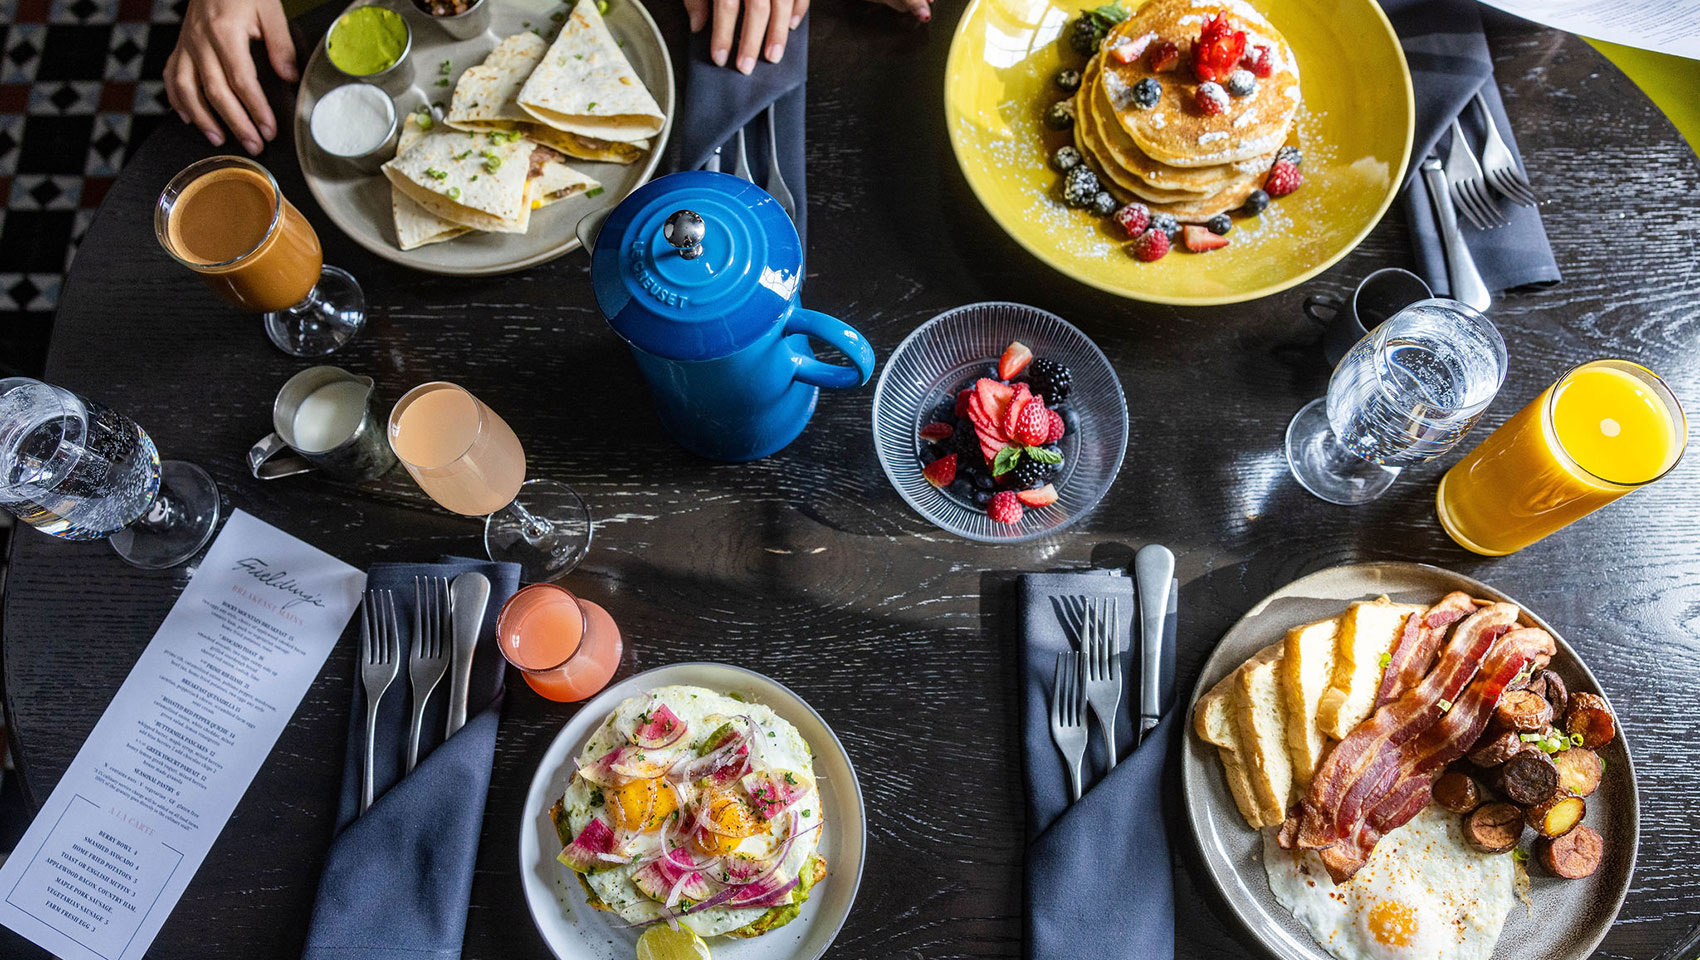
(1557,816)
(1572,856)
(1523,710)
(1590,717)
(1493,827)
(1495,748)
(1457,791)
(1551,687)
(1528,778)
(1579,771)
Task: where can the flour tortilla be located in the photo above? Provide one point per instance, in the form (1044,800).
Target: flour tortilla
(585,85)
(466,192)
(557,182)
(416,226)
(487,98)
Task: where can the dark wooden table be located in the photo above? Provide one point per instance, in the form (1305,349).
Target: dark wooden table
(808,567)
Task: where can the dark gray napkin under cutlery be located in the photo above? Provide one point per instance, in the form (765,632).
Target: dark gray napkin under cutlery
(1097,870)
(1450,63)
(397,880)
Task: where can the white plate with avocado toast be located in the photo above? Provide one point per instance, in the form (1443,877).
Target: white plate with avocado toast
(826,816)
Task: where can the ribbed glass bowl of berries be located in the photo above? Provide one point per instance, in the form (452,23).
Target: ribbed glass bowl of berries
(1000,422)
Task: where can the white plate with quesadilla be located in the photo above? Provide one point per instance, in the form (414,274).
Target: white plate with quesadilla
(510,138)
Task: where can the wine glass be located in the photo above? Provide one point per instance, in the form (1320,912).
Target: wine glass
(467,459)
(1406,393)
(226,219)
(78,470)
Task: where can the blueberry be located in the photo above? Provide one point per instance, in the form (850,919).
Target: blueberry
(1103,204)
(984,481)
(1165,223)
(1255,204)
(1290,154)
(982,497)
(962,488)
(1147,92)
(1065,159)
(1241,83)
(1220,224)
(1060,115)
(945,412)
(928,454)
(1080,185)
(1068,79)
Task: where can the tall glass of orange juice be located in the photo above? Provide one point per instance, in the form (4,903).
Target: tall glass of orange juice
(1606,428)
(566,648)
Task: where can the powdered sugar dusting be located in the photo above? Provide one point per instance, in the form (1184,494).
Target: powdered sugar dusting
(1205,139)
(1159,121)
(1245,119)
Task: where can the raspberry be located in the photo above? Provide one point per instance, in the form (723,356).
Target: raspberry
(1004,508)
(1259,62)
(1162,55)
(1211,99)
(1218,49)
(1134,218)
(1057,427)
(937,431)
(1151,245)
(1032,427)
(941,472)
(1283,179)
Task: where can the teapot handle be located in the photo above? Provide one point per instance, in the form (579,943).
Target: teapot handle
(840,335)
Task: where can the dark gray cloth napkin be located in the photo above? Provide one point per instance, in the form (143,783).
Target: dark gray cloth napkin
(1449,60)
(397,881)
(1097,871)
(720,100)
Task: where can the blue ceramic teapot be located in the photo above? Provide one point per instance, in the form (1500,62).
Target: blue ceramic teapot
(699,273)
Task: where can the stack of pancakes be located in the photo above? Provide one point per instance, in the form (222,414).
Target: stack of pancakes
(1172,156)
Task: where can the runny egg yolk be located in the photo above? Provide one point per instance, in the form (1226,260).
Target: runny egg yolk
(643,804)
(1392,923)
(731,822)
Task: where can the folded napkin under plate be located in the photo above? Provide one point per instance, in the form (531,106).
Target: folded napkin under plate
(1450,63)
(397,881)
(1097,871)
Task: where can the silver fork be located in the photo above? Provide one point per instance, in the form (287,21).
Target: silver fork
(1068,717)
(380,658)
(1498,163)
(1102,664)
(775,178)
(1469,192)
(741,161)
(430,658)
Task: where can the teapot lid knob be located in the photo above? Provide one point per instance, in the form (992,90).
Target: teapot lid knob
(685,230)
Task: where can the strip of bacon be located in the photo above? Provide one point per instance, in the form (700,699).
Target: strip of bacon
(1413,653)
(1425,758)
(1360,766)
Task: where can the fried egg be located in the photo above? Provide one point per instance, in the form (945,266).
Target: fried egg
(1424,893)
(658,799)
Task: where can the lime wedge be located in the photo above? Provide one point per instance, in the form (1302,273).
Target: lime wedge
(661,942)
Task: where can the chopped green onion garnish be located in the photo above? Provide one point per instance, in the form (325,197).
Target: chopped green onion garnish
(492,163)
(1530,737)
(436,174)
(442,81)
(445,67)
(602,6)
(594,192)
(591,105)
(1445,705)
(463,154)
(1386,659)
(1519,854)
(474,177)
(1576,739)
(454,193)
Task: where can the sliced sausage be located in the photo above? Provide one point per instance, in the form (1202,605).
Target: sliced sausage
(1523,710)
(1493,827)
(1495,748)
(1572,856)
(1457,792)
(1528,778)
(1557,816)
(1551,688)
(1579,771)
(1590,717)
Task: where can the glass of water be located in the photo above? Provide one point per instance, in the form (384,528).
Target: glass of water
(1406,393)
(78,470)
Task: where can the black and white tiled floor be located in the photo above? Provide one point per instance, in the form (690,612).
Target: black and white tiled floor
(79,89)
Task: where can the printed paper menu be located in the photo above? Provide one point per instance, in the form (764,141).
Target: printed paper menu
(112,850)
(1667,26)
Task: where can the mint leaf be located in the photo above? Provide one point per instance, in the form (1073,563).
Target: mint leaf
(1110,13)
(1043,456)
(1006,460)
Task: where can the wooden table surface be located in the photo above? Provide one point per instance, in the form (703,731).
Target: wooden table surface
(808,567)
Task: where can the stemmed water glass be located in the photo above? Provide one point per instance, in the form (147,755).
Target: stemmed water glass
(468,459)
(78,470)
(1406,393)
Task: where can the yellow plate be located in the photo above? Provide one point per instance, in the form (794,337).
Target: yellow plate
(1355,130)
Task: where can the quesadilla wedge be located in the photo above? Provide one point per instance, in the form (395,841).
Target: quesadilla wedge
(474,179)
(585,85)
(554,180)
(487,98)
(416,226)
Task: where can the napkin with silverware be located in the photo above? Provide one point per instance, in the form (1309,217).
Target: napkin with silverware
(1450,63)
(1097,870)
(397,880)
(720,100)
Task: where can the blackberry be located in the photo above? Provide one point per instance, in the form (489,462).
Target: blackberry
(1147,92)
(1290,154)
(1255,204)
(1241,83)
(1068,79)
(1051,380)
(1086,33)
(1080,185)
(1220,224)
(1060,116)
(1032,473)
(1065,159)
(1103,204)
(1166,224)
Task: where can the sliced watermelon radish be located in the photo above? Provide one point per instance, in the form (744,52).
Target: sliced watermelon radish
(658,728)
(591,848)
(772,791)
(672,877)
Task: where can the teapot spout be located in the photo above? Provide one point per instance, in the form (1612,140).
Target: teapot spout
(590,225)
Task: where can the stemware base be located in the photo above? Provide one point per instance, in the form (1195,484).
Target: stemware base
(1325,467)
(546,530)
(188,509)
(330,316)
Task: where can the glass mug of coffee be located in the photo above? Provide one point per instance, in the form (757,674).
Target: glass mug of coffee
(226,219)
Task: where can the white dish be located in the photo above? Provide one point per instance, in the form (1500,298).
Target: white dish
(575,931)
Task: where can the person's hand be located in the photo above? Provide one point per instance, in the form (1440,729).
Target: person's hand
(211,73)
(772,19)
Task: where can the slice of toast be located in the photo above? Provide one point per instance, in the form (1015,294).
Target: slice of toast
(1260,723)
(1307,670)
(1367,632)
(1212,719)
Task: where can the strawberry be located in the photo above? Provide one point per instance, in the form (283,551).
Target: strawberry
(989,450)
(1033,427)
(1150,245)
(1057,426)
(962,402)
(1005,507)
(1015,358)
(937,431)
(994,398)
(1041,497)
(1210,99)
(1283,179)
(1162,55)
(941,472)
(1012,416)
(1217,51)
(1259,62)
(1134,218)
(1199,239)
(983,423)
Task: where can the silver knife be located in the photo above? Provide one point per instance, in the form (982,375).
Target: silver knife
(469,595)
(1461,273)
(1153,568)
